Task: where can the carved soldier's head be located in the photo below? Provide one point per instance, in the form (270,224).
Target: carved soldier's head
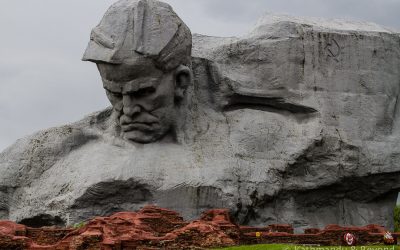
(143,52)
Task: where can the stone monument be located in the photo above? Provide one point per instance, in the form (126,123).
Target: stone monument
(296,122)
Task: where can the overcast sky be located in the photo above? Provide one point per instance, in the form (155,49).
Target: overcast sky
(43,83)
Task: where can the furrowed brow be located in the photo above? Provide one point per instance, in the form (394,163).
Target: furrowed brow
(112,86)
(135,85)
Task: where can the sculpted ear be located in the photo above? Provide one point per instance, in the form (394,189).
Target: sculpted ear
(183,77)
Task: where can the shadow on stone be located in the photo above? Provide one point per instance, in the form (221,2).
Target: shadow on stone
(43,220)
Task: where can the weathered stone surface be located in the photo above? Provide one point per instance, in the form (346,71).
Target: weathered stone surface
(149,228)
(295,123)
(157,228)
(12,236)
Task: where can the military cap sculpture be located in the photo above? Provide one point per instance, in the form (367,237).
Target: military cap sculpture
(296,122)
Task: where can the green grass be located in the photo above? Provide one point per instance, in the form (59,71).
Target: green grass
(79,225)
(293,247)
(397,218)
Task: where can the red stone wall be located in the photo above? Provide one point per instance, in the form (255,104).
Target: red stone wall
(155,228)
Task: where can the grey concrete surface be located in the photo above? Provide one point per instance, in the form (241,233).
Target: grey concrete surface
(296,122)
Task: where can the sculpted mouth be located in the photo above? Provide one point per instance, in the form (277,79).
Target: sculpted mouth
(144,126)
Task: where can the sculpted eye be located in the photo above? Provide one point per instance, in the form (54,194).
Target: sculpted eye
(115,94)
(145,91)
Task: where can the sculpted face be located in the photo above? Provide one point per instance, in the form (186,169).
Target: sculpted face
(140,47)
(144,97)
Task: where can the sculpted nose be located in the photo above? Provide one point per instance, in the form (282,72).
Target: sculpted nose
(132,110)
(130,106)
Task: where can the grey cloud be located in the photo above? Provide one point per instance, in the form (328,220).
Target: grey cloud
(230,13)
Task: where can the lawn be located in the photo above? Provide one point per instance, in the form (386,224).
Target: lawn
(294,247)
